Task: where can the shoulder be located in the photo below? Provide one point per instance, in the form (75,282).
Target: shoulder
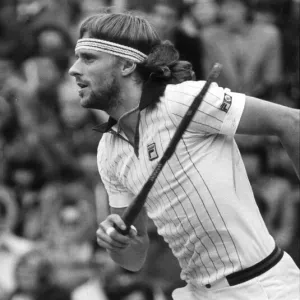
(268,31)
(212,32)
(187,90)
(178,97)
(184,89)
(102,142)
(103,146)
(180,94)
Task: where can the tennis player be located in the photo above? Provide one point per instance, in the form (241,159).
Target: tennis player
(202,202)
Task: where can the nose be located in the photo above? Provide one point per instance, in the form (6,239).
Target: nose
(75,70)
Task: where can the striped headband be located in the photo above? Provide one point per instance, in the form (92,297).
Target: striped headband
(111,48)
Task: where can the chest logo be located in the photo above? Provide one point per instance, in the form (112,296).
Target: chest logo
(152,152)
(226,103)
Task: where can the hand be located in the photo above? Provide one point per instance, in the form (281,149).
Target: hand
(109,238)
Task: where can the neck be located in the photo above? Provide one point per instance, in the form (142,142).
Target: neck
(129,99)
(238,27)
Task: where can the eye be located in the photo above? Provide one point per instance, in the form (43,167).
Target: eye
(87,57)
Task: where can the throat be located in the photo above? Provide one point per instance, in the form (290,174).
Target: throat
(129,124)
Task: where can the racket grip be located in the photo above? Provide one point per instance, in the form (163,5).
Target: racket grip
(133,210)
(122,231)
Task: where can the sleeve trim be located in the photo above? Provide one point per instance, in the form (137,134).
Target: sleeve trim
(120,200)
(234,114)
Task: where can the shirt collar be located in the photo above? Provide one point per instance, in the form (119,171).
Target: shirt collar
(151,93)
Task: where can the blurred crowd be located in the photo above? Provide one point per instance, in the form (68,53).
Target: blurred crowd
(51,196)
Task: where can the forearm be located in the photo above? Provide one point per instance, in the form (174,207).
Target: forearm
(133,257)
(290,138)
(267,118)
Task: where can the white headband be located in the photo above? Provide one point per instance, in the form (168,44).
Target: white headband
(111,48)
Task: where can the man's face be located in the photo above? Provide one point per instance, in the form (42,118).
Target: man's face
(96,74)
(164,18)
(233,12)
(204,12)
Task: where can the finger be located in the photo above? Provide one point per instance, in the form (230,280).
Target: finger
(105,235)
(104,244)
(132,232)
(109,230)
(118,237)
(104,240)
(115,220)
(109,245)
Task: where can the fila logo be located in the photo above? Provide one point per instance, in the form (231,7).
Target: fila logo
(226,103)
(152,152)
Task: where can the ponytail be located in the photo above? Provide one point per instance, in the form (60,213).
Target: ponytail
(163,64)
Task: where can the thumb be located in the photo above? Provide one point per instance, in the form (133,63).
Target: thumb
(115,220)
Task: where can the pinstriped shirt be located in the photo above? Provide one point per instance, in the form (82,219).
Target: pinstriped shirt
(202,202)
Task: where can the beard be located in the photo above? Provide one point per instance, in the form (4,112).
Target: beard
(106,98)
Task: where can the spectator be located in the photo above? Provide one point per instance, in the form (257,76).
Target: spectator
(55,42)
(200,14)
(16,42)
(12,247)
(280,214)
(35,90)
(68,226)
(35,279)
(278,163)
(9,126)
(77,124)
(91,177)
(290,24)
(25,171)
(250,52)
(104,271)
(134,290)
(166,17)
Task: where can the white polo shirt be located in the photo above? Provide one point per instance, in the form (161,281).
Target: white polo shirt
(202,202)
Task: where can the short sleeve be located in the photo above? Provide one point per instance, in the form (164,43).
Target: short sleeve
(219,112)
(118,195)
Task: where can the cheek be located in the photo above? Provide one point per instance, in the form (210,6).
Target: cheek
(95,78)
(100,81)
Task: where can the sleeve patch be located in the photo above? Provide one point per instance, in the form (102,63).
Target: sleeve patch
(227,100)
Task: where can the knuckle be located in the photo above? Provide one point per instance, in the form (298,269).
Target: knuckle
(116,219)
(99,231)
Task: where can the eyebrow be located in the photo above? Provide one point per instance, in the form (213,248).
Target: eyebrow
(83,53)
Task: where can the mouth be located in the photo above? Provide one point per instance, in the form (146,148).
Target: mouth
(81,85)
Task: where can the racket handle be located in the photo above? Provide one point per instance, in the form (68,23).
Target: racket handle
(122,231)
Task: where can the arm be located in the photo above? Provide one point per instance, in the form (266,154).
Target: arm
(128,251)
(266,118)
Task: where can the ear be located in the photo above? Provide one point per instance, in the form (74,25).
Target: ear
(128,67)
